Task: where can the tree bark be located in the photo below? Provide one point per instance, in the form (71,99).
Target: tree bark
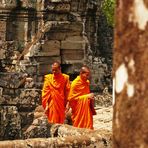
(130,72)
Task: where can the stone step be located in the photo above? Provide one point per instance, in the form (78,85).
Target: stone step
(12,80)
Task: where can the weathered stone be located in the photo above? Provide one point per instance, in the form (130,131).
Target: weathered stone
(45,67)
(105,99)
(29,83)
(70,133)
(51,45)
(11,123)
(55,1)
(28,98)
(6,4)
(49,48)
(58,7)
(72,55)
(25,123)
(28,4)
(23,98)
(74,141)
(72,45)
(12,80)
(57,17)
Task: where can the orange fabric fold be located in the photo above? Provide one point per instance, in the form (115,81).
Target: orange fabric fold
(54,96)
(80,104)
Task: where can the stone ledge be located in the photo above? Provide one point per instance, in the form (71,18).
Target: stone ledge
(23,98)
(69,137)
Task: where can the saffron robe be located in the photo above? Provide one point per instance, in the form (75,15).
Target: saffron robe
(82,115)
(54,96)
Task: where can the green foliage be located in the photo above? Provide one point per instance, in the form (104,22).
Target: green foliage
(108,7)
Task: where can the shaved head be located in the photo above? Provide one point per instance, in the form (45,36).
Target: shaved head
(56,68)
(57,64)
(85,72)
(84,69)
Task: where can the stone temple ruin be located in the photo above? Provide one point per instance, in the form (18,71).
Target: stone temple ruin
(33,34)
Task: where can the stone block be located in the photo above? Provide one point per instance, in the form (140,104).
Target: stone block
(58,1)
(10,125)
(28,98)
(47,59)
(61,35)
(51,45)
(58,7)
(5,4)
(63,7)
(75,39)
(2,25)
(31,69)
(72,45)
(54,35)
(48,54)
(76,26)
(3,35)
(2,54)
(12,80)
(8,100)
(74,6)
(44,67)
(26,115)
(1,91)
(72,54)
(73,42)
(22,98)
(57,17)
(8,91)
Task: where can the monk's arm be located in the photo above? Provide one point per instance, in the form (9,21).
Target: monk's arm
(76,93)
(45,92)
(67,89)
(87,96)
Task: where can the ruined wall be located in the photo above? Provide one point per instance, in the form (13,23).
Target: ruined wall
(33,35)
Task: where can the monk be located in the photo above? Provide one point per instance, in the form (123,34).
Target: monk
(54,94)
(81,100)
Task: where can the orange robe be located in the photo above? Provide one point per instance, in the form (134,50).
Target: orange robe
(80,103)
(54,96)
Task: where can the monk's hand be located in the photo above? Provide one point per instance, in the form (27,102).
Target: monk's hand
(91,95)
(67,107)
(46,109)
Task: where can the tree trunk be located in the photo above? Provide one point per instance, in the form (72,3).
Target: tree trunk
(130,72)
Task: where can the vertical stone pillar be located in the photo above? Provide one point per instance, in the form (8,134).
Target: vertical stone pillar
(5,7)
(26,32)
(2,30)
(130,122)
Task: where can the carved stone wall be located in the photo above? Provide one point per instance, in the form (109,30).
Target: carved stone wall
(32,36)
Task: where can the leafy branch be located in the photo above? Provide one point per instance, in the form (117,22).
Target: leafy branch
(108,7)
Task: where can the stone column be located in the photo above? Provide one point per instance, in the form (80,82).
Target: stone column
(130,122)
(5,7)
